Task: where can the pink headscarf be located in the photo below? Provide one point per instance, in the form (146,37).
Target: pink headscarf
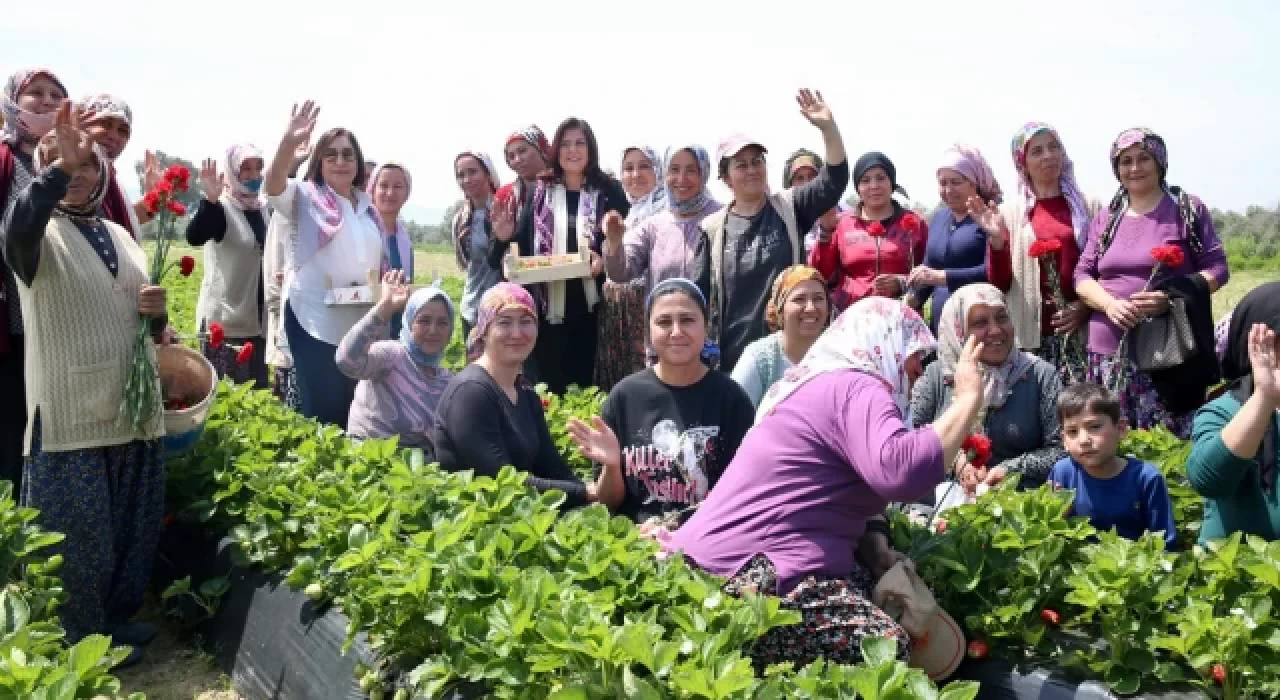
(503,296)
(968,161)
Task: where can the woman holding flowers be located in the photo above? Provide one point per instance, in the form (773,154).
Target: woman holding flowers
(873,247)
(334,241)
(799,511)
(230,224)
(1035,242)
(1115,274)
(95,478)
(798,313)
(28,103)
(1020,391)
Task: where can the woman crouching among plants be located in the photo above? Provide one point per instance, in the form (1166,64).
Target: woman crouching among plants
(93,476)
(665,434)
(799,513)
(488,418)
(401,380)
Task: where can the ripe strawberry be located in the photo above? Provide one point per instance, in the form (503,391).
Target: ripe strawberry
(940,527)
(1219,674)
(978,649)
(1051,617)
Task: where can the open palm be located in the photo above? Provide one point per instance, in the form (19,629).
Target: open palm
(986,214)
(814,108)
(301,122)
(1262,357)
(75,147)
(597,441)
(209,180)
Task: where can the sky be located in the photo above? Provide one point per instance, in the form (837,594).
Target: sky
(420,82)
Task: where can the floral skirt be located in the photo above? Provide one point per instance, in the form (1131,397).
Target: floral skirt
(1139,402)
(620,351)
(109,503)
(285,387)
(837,613)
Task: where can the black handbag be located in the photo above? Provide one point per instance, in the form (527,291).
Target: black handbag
(1165,341)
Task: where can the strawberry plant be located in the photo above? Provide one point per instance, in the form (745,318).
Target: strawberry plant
(455,578)
(582,404)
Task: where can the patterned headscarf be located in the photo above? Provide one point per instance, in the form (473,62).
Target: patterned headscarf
(19,124)
(235,189)
(1066,179)
(47,152)
(534,137)
(782,288)
(1153,144)
(953,331)
(695,204)
(416,301)
(656,200)
(503,296)
(875,335)
(102,106)
(462,225)
(968,161)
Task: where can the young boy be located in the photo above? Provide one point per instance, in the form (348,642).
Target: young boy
(1111,491)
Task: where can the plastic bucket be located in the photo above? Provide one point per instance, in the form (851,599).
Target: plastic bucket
(185,373)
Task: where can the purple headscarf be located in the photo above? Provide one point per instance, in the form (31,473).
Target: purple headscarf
(968,161)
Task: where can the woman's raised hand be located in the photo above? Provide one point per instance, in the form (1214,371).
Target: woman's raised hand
(1262,358)
(988,216)
(814,108)
(301,122)
(503,219)
(395,293)
(75,147)
(969,375)
(613,227)
(210,182)
(596,441)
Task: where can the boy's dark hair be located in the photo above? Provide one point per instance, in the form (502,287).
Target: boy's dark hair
(1086,397)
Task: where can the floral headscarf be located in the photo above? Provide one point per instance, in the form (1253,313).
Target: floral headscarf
(19,124)
(953,331)
(248,199)
(534,137)
(1153,144)
(695,204)
(503,296)
(416,301)
(47,152)
(968,161)
(656,200)
(782,288)
(876,336)
(103,106)
(1150,142)
(1066,180)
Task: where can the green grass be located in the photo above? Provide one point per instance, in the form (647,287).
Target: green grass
(1240,284)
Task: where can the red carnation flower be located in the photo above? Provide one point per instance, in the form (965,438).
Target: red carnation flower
(152,202)
(876,229)
(186,265)
(164,188)
(978,449)
(1051,617)
(178,176)
(177,207)
(978,649)
(546,403)
(217,336)
(1039,249)
(910,223)
(1168,255)
(245,354)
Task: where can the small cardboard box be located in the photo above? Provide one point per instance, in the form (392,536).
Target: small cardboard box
(361,294)
(546,268)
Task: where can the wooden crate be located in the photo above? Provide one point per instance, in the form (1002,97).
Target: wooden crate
(546,268)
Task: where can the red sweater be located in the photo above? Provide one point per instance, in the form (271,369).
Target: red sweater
(1050,220)
(848,260)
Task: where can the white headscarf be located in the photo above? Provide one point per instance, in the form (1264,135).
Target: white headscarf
(232,186)
(655,201)
(875,335)
(953,330)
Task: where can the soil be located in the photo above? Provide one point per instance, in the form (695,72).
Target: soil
(175,667)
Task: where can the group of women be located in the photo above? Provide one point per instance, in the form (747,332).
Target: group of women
(772,383)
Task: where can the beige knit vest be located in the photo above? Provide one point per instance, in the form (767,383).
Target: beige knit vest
(232,271)
(79,340)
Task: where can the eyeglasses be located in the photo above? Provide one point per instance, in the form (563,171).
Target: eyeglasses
(333,155)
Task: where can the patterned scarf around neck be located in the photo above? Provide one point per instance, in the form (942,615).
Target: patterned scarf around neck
(551,234)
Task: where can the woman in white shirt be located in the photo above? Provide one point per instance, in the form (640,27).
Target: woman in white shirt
(333,241)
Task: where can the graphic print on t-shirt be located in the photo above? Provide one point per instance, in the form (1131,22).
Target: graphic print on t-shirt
(673,467)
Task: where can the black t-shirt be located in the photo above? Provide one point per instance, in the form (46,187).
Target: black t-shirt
(676,441)
(478,428)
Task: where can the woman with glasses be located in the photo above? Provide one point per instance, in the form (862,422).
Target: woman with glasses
(331,229)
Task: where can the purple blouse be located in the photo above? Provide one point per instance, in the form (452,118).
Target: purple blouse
(1124,269)
(807,477)
(661,247)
